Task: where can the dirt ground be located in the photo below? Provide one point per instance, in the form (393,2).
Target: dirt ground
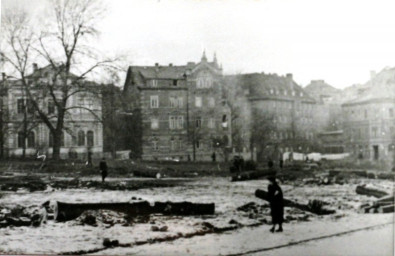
(239,215)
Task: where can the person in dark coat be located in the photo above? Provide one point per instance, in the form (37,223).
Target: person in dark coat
(275,196)
(103,169)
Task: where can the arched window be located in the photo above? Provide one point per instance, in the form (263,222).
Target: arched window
(90,138)
(81,138)
(30,140)
(21,140)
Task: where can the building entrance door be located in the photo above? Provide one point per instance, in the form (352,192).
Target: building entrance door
(376,152)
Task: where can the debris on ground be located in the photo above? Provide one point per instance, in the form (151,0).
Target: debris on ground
(314,206)
(68,211)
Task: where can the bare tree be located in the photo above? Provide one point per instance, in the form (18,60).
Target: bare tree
(64,45)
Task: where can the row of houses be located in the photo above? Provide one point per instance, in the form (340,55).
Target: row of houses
(195,112)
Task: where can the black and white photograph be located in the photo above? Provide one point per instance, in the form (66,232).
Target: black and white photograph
(197,127)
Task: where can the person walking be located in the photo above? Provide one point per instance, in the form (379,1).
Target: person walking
(103,169)
(275,196)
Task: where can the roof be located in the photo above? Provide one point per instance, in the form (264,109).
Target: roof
(261,85)
(380,87)
(160,72)
(319,89)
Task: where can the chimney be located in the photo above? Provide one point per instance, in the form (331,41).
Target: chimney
(4,76)
(290,80)
(156,64)
(35,67)
(170,64)
(372,74)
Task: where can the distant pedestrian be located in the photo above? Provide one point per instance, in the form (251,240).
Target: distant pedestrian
(270,163)
(275,196)
(213,157)
(103,169)
(281,163)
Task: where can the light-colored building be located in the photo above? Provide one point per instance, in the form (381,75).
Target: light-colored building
(182,112)
(369,119)
(22,125)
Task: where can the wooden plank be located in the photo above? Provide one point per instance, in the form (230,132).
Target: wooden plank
(252,175)
(386,209)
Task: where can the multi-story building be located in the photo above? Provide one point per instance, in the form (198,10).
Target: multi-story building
(276,114)
(182,112)
(327,112)
(369,119)
(23,130)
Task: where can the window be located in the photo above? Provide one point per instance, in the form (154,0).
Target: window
(30,107)
(172,144)
(154,83)
(173,102)
(89,104)
(180,102)
(30,140)
(198,122)
(197,144)
(80,104)
(154,123)
(391,112)
(155,143)
(180,124)
(20,106)
(51,107)
(90,138)
(174,82)
(172,122)
(271,91)
(211,123)
(21,140)
(198,102)
(81,138)
(211,102)
(374,132)
(154,101)
(224,121)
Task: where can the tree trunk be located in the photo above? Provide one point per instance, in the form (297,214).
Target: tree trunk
(69,211)
(56,145)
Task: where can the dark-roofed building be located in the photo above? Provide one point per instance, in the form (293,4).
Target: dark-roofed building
(369,119)
(276,114)
(182,112)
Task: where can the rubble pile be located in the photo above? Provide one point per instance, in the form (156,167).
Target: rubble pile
(22,216)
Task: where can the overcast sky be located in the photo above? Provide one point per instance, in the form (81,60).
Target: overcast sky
(339,41)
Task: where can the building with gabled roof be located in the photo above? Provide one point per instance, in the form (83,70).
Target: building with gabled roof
(369,119)
(182,112)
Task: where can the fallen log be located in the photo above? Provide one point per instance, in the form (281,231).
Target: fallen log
(363,190)
(389,198)
(312,207)
(386,209)
(252,175)
(68,211)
